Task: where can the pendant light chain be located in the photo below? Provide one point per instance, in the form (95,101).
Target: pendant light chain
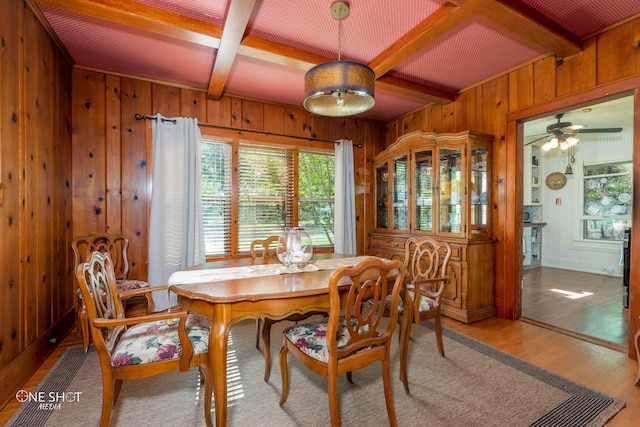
(340,36)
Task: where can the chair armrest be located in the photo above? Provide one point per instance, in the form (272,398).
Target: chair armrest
(128,321)
(141,291)
(426,287)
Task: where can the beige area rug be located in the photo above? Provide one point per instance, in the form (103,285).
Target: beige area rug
(475,385)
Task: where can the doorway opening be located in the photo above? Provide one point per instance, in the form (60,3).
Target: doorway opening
(577,199)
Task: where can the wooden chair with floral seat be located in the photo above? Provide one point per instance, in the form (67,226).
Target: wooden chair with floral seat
(332,346)
(267,248)
(116,246)
(426,261)
(138,347)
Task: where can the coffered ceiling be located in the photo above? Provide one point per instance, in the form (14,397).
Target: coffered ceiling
(422,51)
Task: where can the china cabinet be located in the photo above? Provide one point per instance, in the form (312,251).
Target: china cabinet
(439,185)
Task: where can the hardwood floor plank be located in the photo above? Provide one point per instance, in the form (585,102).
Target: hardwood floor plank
(590,305)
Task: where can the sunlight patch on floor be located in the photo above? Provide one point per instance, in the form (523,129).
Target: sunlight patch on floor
(572,295)
(235,391)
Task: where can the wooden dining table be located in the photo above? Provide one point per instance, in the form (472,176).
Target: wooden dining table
(232,291)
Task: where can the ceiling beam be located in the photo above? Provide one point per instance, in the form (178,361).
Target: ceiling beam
(234,28)
(527,23)
(288,56)
(435,25)
(143,17)
(276,53)
(159,21)
(427,94)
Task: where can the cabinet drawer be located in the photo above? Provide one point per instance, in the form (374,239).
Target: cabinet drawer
(388,243)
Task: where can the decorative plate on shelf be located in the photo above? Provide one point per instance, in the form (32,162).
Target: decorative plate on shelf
(591,184)
(624,197)
(618,209)
(556,180)
(592,209)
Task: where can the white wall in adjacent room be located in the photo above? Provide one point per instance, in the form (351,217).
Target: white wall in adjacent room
(562,242)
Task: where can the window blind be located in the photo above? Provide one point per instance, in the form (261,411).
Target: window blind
(216,195)
(266,192)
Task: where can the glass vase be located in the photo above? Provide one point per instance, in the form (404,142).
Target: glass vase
(294,248)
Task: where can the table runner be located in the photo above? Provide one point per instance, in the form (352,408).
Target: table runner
(230,273)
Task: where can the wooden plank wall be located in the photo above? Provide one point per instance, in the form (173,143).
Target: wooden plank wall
(609,64)
(36,282)
(110,186)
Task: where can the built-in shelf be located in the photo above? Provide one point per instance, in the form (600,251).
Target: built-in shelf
(532,244)
(532,183)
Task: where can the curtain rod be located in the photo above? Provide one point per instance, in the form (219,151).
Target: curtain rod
(143,117)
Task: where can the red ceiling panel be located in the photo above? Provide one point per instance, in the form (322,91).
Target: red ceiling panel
(112,47)
(470,52)
(585,17)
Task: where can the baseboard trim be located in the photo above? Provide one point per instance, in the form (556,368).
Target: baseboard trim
(24,365)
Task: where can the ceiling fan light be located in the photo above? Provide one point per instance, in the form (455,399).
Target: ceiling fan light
(572,140)
(339,88)
(564,145)
(553,143)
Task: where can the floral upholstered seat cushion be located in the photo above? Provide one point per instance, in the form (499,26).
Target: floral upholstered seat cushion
(158,341)
(124,285)
(129,284)
(426,303)
(311,338)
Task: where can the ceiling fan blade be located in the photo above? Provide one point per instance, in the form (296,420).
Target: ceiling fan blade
(573,127)
(536,140)
(601,130)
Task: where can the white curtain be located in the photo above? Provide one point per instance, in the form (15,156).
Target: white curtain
(176,238)
(345,202)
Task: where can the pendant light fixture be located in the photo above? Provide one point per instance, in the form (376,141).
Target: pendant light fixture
(339,88)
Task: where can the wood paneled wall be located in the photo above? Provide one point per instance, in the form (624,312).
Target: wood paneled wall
(608,65)
(36,282)
(110,187)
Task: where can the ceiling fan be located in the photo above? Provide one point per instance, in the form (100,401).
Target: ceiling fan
(563,135)
(564,130)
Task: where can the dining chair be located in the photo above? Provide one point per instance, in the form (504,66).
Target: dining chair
(636,343)
(138,347)
(335,345)
(266,248)
(116,245)
(426,261)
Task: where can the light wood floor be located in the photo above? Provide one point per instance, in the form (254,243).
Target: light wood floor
(600,368)
(588,306)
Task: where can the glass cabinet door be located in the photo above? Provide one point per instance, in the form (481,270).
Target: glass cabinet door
(479,186)
(423,190)
(400,193)
(382,196)
(450,178)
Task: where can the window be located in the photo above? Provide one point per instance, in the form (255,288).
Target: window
(216,195)
(264,186)
(607,200)
(316,196)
